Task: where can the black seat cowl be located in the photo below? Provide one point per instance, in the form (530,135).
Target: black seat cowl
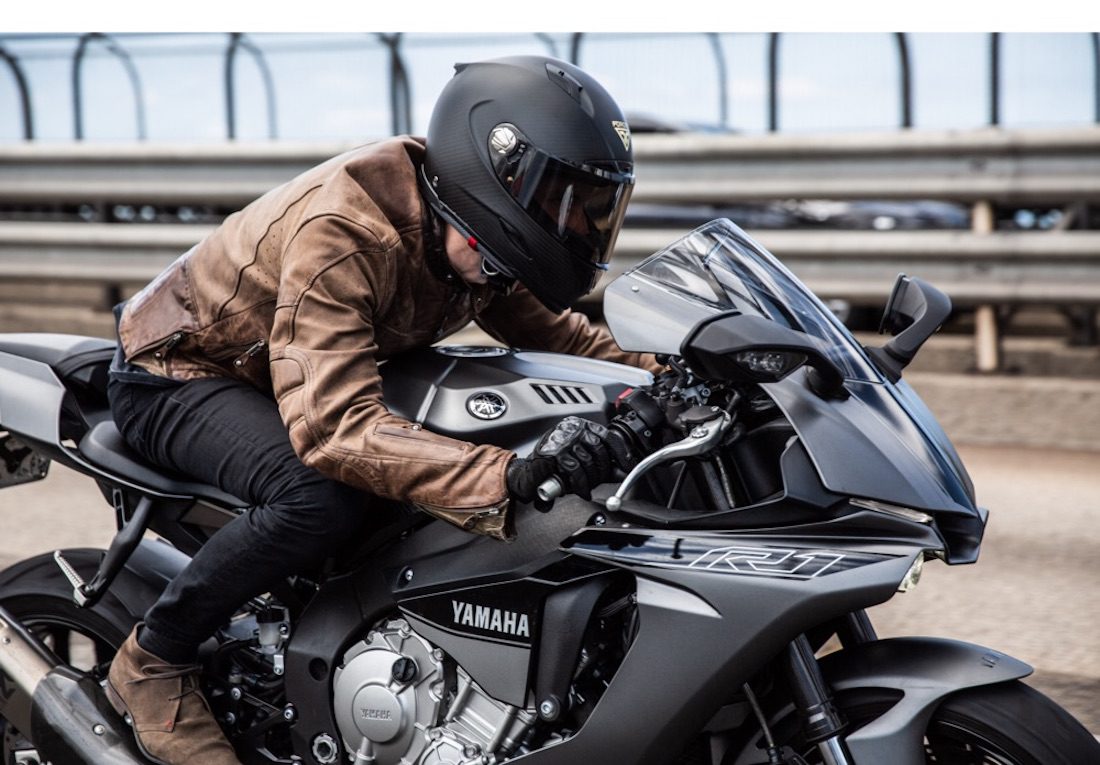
(105,448)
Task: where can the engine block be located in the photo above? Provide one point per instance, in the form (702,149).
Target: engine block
(389,695)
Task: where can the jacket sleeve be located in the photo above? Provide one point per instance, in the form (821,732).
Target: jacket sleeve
(325,378)
(521,321)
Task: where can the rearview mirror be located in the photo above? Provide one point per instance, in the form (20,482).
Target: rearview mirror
(743,348)
(913,313)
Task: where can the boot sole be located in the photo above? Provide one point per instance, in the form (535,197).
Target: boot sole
(120,706)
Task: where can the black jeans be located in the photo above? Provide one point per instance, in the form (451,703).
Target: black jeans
(230,435)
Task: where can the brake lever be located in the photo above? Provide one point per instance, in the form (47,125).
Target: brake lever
(702,438)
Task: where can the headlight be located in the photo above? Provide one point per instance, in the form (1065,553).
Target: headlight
(912,576)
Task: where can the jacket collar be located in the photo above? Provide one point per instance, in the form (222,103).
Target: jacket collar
(435,256)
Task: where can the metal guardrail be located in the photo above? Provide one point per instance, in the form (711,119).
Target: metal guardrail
(985,268)
(1011,166)
(859,266)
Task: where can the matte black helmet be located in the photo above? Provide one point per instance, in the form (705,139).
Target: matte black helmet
(531,158)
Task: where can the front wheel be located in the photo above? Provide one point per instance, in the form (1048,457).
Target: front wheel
(1005,724)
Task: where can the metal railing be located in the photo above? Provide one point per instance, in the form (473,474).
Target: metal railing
(236,42)
(24,93)
(78,87)
(397,74)
(1022,268)
(1007,166)
(984,268)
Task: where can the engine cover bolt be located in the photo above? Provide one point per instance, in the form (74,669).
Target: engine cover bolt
(235,694)
(548,709)
(290,714)
(99,730)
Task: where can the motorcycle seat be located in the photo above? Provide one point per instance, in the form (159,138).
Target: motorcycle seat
(62,353)
(105,448)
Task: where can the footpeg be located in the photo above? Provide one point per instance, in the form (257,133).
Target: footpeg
(80,587)
(87,594)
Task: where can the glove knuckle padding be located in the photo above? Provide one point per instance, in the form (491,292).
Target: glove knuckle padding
(579,452)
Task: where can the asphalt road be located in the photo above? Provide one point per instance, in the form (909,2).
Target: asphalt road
(1035,593)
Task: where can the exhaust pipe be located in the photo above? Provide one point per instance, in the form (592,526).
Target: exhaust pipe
(63,712)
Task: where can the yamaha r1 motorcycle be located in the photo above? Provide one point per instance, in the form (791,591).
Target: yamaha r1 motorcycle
(782,480)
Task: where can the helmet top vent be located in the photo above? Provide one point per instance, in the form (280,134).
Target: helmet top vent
(565,81)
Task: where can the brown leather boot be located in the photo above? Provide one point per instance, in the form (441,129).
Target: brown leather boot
(171,719)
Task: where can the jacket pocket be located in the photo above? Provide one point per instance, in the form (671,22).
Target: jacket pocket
(417,435)
(166,346)
(240,354)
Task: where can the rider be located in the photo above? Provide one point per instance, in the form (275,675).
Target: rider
(251,363)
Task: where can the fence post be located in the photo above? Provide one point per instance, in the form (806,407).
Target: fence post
(24,92)
(238,40)
(906,79)
(1095,37)
(987,333)
(78,90)
(773,82)
(400,93)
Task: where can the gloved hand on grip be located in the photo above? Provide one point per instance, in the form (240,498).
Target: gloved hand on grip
(575,451)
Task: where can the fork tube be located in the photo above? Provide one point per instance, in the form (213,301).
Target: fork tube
(822,721)
(833,752)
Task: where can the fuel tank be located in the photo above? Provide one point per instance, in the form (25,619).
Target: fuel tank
(501,396)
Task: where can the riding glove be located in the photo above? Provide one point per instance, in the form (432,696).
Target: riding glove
(575,451)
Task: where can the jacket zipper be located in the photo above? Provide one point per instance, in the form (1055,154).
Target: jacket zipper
(253,349)
(172,342)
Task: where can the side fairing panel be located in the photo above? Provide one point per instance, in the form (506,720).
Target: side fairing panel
(724,614)
(30,399)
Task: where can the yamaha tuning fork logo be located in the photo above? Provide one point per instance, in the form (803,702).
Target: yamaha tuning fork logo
(486,405)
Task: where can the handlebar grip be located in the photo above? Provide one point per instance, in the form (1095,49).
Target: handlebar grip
(550,489)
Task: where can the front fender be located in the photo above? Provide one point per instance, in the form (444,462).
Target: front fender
(925,670)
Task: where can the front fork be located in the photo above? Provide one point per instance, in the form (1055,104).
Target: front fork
(822,721)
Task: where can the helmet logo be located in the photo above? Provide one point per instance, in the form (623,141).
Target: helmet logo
(503,139)
(624,132)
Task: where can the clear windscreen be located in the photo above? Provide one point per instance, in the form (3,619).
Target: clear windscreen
(716,269)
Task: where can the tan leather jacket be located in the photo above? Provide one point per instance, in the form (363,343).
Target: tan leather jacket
(304,291)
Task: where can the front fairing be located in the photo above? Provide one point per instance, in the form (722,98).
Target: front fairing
(881,443)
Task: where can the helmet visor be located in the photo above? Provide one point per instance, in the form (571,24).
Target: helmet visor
(582,206)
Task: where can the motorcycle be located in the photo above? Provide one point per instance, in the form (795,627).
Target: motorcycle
(707,609)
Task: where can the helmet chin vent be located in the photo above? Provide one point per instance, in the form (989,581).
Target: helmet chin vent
(515,238)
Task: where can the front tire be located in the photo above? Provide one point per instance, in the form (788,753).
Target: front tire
(1007,723)
(1004,724)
